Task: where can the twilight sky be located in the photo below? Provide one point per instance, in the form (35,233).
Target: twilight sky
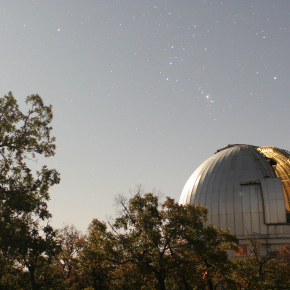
(144,91)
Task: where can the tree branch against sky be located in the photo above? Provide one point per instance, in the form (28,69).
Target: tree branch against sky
(24,194)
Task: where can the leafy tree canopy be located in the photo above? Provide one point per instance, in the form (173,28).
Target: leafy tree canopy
(24,194)
(164,244)
(22,136)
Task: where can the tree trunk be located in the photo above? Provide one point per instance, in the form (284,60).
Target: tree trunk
(32,277)
(209,282)
(186,287)
(161,279)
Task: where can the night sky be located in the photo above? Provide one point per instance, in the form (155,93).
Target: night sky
(144,91)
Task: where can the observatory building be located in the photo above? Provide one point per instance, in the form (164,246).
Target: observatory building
(246,190)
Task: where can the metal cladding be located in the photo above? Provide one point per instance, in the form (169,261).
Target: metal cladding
(246,190)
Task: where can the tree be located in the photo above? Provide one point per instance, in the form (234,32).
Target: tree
(36,251)
(72,242)
(96,265)
(261,269)
(156,241)
(24,195)
(283,267)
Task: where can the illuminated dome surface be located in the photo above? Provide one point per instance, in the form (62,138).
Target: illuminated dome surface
(246,189)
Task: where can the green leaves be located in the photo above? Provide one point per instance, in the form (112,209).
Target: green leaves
(23,136)
(164,243)
(263,268)
(21,133)
(24,194)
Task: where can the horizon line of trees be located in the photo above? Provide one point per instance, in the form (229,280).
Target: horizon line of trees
(150,245)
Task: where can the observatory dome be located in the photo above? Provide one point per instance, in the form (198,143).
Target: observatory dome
(246,190)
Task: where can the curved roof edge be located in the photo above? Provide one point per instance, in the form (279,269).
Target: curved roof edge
(233,145)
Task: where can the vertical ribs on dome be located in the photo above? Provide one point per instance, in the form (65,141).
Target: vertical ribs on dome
(246,189)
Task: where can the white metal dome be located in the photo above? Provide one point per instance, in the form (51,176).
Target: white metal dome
(243,191)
